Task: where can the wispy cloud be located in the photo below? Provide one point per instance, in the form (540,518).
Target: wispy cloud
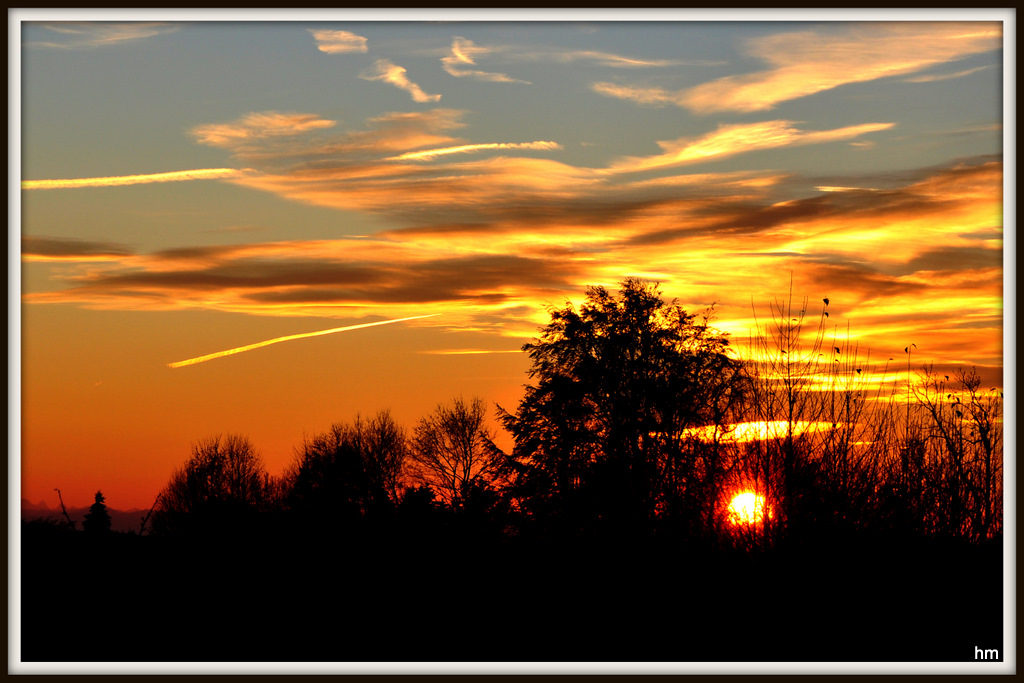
(389,72)
(374,169)
(78,35)
(338,42)
(598,57)
(933,78)
(170,176)
(381,170)
(308,137)
(639,94)
(463,54)
(258,126)
(729,140)
(808,62)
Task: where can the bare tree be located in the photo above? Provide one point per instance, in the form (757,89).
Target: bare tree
(340,475)
(787,360)
(962,452)
(451,450)
(385,450)
(223,480)
(71,525)
(829,418)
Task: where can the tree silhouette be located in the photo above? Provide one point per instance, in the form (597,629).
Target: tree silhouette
(217,490)
(452,451)
(962,454)
(64,510)
(349,472)
(602,437)
(97,520)
(628,435)
(385,451)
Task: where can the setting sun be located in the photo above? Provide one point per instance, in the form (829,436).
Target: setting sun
(747,508)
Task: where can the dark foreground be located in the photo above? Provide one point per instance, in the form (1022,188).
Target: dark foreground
(126,598)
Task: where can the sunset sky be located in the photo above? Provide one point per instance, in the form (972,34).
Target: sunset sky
(191,187)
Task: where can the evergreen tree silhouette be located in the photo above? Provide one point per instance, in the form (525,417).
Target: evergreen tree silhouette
(97,520)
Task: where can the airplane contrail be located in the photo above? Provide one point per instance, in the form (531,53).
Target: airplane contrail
(250,347)
(431,153)
(194,174)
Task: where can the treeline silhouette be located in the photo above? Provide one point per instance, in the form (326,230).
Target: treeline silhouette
(605,533)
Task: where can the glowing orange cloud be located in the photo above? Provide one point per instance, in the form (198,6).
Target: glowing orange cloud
(196,174)
(290,337)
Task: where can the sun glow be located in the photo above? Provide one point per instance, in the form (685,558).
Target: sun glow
(748,508)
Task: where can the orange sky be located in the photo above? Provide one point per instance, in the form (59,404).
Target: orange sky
(459,179)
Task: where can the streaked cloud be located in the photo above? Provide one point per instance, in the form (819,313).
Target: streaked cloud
(389,72)
(170,176)
(892,225)
(73,35)
(875,252)
(353,278)
(35,248)
(338,42)
(463,54)
(808,62)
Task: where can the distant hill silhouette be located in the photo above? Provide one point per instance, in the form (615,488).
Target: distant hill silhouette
(120,520)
